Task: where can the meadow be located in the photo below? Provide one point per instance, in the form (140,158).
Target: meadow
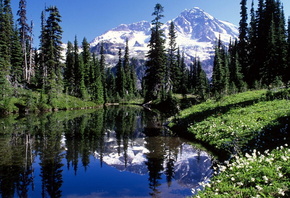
(251,128)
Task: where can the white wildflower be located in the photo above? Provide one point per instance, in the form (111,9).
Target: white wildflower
(284,158)
(280,175)
(259,187)
(265,178)
(281,192)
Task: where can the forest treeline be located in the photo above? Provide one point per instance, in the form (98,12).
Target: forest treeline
(258,58)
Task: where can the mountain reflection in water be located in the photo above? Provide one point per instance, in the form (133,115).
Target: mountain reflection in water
(111,152)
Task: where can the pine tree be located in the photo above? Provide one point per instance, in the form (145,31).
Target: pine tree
(243,39)
(127,72)
(155,73)
(120,77)
(86,56)
(178,74)
(133,77)
(98,88)
(16,59)
(202,84)
(193,76)
(236,82)
(102,70)
(183,86)
(220,76)
(69,72)
(51,51)
(172,67)
(6,34)
(252,73)
(110,87)
(287,68)
(24,30)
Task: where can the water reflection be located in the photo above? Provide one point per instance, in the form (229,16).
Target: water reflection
(112,152)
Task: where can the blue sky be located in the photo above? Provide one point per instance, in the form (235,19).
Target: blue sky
(91,18)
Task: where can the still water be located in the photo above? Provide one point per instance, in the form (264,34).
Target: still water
(111,152)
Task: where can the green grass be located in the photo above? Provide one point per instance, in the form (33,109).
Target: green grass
(234,120)
(239,125)
(237,100)
(230,124)
(252,175)
(33,101)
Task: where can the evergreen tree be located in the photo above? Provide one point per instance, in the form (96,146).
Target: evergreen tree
(120,77)
(102,69)
(202,84)
(172,67)
(69,72)
(110,87)
(86,56)
(251,76)
(155,73)
(6,34)
(16,59)
(51,51)
(133,77)
(127,77)
(178,74)
(243,39)
(220,76)
(193,76)
(183,77)
(287,68)
(236,83)
(79,70)
(98,89)
(24,30)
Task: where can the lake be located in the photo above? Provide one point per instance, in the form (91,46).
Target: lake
(117,151)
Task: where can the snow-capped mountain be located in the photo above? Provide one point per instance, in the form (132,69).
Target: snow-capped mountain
(197,33)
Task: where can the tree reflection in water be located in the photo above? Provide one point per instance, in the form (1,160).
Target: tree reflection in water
(127,139)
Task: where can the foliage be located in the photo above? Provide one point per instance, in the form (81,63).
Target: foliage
(155,84)
(252,175)
(236,127)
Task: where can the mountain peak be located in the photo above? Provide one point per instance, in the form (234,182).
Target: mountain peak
(196,30)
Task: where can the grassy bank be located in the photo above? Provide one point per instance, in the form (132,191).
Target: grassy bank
(29,101)
(237,125)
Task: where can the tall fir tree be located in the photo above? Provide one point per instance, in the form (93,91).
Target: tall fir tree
(236,82)
(16,59)
(243,39)
(51,52)
(202,84)
(86,56)
(220,76)
(155,73)
(287,68)
(98,88)
(120,76)
(6,34)
(172,65)
(69,72)
(25,39)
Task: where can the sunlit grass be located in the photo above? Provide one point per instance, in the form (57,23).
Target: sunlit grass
(252,175)
(239,125)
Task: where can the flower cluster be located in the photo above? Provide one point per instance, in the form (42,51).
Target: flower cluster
(253,175)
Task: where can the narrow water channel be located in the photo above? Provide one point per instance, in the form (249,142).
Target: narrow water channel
(112,152)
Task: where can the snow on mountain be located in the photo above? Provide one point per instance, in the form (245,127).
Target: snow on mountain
(197,33)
